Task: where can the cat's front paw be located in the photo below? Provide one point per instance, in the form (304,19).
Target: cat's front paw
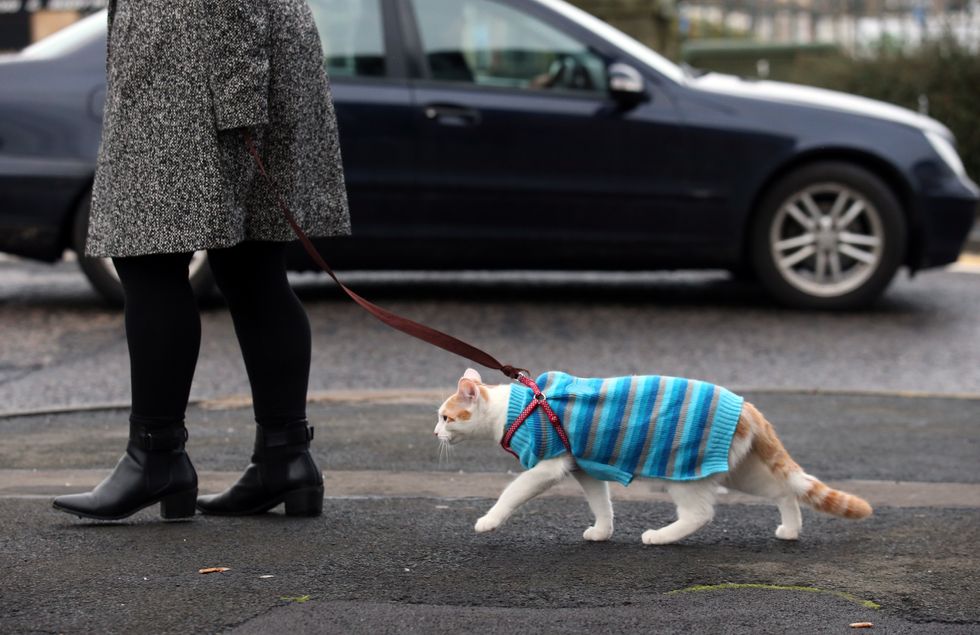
(485,524)
(597,534)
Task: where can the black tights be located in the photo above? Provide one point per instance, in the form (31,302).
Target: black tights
(163,328)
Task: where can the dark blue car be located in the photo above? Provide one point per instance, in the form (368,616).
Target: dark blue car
(527,134)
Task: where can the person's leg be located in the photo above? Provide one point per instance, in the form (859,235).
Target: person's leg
(272,327)
(163,331)
(274,334)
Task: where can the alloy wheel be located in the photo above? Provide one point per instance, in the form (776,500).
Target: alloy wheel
(827,240)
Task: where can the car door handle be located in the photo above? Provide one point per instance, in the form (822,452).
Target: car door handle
(450,115)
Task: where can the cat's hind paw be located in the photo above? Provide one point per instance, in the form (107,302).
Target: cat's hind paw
(597,534)
(787,533)
(485,524)
(657,537)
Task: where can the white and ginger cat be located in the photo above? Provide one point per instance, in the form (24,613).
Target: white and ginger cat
(757,463)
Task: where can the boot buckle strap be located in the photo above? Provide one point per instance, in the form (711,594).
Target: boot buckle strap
(160,439)
(289,436)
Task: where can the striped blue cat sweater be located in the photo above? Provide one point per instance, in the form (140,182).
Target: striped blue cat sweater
(620,428)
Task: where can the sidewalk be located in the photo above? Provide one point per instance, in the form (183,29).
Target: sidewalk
(395,551)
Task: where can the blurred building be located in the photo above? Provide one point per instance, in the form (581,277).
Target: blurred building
(25,21)
(853,25)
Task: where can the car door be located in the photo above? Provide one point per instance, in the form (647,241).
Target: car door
(521,146)
(375,116)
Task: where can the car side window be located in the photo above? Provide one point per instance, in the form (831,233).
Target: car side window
(489,43)
(352,35)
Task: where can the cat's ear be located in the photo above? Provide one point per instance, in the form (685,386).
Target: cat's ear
(472,374)
(468,390)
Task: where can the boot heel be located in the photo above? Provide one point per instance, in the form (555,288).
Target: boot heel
(181,505)
(305,502)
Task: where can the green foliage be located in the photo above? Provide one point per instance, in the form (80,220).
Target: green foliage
(943,72)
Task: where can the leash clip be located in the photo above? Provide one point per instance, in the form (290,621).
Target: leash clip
(526,374)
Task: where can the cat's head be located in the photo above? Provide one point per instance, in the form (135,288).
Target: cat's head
(464,413)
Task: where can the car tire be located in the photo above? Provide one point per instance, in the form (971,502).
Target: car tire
(829,235)
(102,274)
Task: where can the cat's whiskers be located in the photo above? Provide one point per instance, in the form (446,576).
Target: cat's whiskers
(445,451)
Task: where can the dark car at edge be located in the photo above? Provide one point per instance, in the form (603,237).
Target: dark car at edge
(527,134)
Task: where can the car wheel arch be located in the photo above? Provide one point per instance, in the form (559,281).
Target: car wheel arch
(107,283)
(871,162)
(72,210)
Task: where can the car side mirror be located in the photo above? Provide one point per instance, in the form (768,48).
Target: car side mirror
(626,84)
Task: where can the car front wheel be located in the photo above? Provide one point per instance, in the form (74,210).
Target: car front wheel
(101,273)
(828,236)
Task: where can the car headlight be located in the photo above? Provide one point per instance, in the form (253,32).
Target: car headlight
(944,148)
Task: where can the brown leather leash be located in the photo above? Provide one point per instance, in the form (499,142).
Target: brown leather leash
(409,327)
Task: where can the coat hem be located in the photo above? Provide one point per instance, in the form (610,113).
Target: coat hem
(204,245)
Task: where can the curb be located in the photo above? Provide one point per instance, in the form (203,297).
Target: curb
(435,396)
(441,485)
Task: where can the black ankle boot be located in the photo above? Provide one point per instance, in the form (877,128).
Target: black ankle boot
(282,471)
(155,469)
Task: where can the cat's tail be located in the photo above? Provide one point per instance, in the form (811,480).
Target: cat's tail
(808,489)
(823,498)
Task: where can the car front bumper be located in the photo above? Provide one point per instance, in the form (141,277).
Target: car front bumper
(946,216)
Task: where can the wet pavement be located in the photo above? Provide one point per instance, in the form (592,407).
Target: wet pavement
(62,347)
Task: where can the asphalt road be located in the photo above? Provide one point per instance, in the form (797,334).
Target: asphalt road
(395,551)
(62,347)
(377,562)
(414,565)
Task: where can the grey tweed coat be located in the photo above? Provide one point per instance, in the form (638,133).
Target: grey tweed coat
(183,78)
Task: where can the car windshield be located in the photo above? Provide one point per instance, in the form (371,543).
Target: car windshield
(616,37)
(68,39)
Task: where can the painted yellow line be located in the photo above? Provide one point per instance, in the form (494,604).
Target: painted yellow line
(969,259)
(968,263)
(435,396)
(856,392)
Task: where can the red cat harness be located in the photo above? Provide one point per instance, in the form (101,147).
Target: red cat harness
(539,400)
